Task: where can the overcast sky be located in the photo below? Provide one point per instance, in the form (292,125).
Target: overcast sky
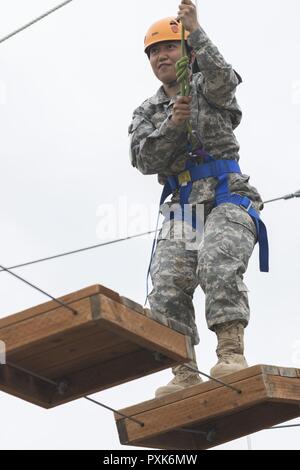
(68,86)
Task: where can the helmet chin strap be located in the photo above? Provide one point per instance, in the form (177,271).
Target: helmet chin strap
(173,83)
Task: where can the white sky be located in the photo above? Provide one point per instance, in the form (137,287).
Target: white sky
(68,87)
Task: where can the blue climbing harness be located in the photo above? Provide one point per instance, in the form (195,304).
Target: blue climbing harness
(219,169)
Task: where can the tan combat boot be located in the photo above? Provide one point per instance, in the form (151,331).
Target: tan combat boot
(230,350)
(183,378)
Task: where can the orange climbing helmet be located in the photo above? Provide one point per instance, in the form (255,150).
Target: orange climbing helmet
(167,29)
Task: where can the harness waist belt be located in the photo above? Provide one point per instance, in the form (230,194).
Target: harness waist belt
(219,169)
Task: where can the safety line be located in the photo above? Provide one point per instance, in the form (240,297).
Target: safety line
(61,303)
(286,197)
(58,385)
(32,374)
(67,253)
(8,36)
(212,378)
(286,426)
(115,411)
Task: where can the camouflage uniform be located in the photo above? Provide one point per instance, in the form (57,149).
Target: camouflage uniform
(159,147)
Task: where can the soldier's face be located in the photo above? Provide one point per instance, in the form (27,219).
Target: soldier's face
(163,57)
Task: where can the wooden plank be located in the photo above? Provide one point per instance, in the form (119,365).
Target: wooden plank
(209,414)
(52,305)
(112,373)
(220,431)
(26,387)
(287,390)
(66,358)
(142,330)
(20,335)
(132,305)
(109,341)
(90,359)
(205,387)
(94,379)
(231,379)
(72,338)
(195,408)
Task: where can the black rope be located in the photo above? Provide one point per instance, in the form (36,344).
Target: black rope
(59,386)
(67,253)
(62,304)
(115,411)
(32,374)
(212,378)
(8,36)
(209,434)
(286,426)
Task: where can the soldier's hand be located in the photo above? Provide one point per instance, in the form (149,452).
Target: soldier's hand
(181,110)
(188,15)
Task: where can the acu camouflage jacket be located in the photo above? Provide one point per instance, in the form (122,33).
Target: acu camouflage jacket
(158,147)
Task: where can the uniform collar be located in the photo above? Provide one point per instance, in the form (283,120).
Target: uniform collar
(160,97)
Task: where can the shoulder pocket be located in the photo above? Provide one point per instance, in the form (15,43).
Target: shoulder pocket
(137,120)
(240,217)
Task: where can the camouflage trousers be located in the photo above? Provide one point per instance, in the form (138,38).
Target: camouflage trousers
(217,264)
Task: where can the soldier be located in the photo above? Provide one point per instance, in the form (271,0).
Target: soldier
(198,171)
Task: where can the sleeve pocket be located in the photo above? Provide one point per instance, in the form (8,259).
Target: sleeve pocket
(135,124)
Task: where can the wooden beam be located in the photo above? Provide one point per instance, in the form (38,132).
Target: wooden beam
(109,341)
(210,414)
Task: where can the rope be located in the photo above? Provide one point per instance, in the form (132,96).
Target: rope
(286,197)
(115,411)
(286,426)
(62,304)
(67,253)
(182,74)
(182,69)
(34,21)
(237,390)
(61,386)
(91,247)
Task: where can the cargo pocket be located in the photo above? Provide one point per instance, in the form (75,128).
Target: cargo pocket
(237,215)
(239,236)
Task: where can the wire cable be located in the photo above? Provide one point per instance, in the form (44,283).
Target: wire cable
(115,411)
(27,25)
(61,386)
(67,253)
(286,197)
(61,303)
(220,382)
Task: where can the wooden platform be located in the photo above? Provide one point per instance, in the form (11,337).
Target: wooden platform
(110,340)
(209,414)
